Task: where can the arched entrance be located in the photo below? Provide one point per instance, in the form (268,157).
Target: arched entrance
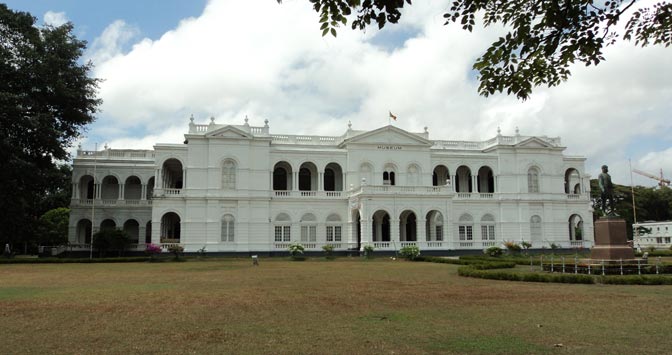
(170,228)
(381,226)
(575,227)
(434,226)
(408,227)
(132,229)
(84,231)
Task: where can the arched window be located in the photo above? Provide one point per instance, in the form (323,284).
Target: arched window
(333,177)
(334,228)
(440,176)
(486,180)
(84,231)
(282,176)
(109,188)
(132,229)
(434,226)
(148,232)
(228,228)
(572,180)
(366,174)
(282,228)
(132,188)
(170,228)
(228,175)
(533,179)
(465,228)
(172,174)
(389,175)
(488,228)
(535,228)
(463,179)
(308,228)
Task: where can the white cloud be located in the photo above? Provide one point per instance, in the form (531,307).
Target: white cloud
(55,18)
(266,60)
(111,42)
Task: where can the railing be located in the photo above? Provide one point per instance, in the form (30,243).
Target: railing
(408,244)
(401,190)
(116,153)
(464,195)
(309,194)
(90,202)
(486,195)
(501,140)
(307,140)
(172,191)
(381,245)
(573,196)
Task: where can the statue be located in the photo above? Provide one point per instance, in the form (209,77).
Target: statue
(606,192)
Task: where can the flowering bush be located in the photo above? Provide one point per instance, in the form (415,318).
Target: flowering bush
(328,251)
(512,246)
(296,251)
(152,250)
(176,250)
(410,252)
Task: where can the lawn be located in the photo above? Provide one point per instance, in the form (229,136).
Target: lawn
(346,306)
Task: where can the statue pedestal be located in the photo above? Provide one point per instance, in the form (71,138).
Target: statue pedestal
(611,240)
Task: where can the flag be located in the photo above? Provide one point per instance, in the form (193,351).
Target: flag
(393,116)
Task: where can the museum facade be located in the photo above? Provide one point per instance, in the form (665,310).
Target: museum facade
(239,188)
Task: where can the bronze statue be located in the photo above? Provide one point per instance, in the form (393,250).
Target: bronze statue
(607,192)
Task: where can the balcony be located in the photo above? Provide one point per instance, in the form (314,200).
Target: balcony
(309,194)
(401,190)
(109,203)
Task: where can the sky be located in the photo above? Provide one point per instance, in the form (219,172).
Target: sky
(163,61)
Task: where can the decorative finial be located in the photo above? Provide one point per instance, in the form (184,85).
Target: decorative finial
(349,124)
(426,129)
(212,119)
(79,146)
(246,119)
(266,122)
(106,147)
(191,118)
(499,131)
(517,131)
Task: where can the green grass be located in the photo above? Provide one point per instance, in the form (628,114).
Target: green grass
(346,306)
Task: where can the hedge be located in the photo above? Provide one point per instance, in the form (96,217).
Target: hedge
(134,259)
(470,271)
(638,280)
(479,264)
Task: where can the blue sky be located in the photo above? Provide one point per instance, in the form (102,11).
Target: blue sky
(152,17)
(162,61)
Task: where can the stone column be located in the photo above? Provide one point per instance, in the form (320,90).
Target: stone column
(365,230)
(474,184)
(454,184)
(122,191)
(320,181)
(75,191)
(420,230)
(143,192)
(394,233)
(295,181)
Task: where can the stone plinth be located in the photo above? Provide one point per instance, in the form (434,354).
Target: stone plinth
(611,240)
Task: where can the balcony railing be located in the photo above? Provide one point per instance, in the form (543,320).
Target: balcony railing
(108,202)
(310,194)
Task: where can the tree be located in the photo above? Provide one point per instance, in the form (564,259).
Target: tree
(543,37)
(46,99)
(111,239)
(53,227)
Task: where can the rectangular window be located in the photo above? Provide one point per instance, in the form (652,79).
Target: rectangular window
(286,234)
(659,240)
(466,233)
(278,233)
(308,233)
(439,233)
(333,233)
(667,240)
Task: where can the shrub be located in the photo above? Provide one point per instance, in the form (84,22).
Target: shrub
(470,271)
(410,252)
(328,251)
(493,251)
(368,251)
(296,251)
(637,280)
(512,247)
(74,260)
(176,250)
(526,245)
(111,239)
(152,250)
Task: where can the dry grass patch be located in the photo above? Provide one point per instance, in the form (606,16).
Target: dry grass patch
(340,307)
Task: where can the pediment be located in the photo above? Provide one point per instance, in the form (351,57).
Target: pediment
(230,132)
(533,142)
(388,135)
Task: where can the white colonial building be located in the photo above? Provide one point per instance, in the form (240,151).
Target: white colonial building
(238,188)
(651,234)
